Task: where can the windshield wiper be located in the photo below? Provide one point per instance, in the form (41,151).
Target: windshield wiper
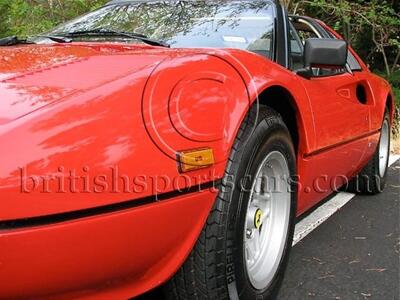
(13,40)
(109,32)
(57,39)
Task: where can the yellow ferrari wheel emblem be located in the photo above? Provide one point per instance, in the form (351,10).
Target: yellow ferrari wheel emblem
(258,218)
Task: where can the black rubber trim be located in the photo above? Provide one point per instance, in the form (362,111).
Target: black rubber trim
(282,33)
(96,211)
(331,147)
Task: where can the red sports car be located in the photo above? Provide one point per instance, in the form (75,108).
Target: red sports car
(174,143)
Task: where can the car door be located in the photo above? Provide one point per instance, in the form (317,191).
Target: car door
(341,119)
(339,115)
(339,105)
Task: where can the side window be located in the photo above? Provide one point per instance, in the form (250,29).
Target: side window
(296,50)
(353,63)
(351,60)
(300,32)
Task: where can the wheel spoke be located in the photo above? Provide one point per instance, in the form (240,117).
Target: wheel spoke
(261,198)
(261,184)
(251,251)
(256,241)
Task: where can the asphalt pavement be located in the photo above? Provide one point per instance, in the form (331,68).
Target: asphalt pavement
(355,254)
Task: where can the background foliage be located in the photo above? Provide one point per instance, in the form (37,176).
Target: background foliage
(371,26)
(27,17)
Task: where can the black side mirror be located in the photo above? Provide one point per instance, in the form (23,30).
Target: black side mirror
(324,53)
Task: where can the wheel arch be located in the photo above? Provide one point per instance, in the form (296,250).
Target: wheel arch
(390,106)
(282,101)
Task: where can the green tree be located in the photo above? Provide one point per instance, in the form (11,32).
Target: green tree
(28,17)
(371,27)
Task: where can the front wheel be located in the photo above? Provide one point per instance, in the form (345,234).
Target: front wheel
(243,249)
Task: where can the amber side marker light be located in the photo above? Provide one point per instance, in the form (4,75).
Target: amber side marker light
(195,159)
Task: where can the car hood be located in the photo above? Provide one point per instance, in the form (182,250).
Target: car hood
(76,112)
(35,76)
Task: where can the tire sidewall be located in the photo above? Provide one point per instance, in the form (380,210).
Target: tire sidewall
(382,179)
(269,135)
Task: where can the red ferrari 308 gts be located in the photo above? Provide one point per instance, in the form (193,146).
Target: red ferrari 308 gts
(174,143)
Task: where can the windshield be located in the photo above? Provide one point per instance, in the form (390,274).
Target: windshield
(222,24)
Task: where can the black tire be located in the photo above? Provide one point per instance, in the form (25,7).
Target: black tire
(369,181)
(215,268)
